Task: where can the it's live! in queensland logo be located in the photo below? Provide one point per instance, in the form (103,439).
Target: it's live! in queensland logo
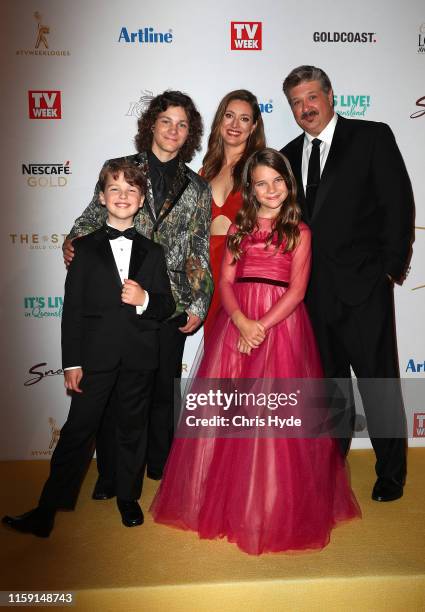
(46,306)
(44,104)
(246,36)
(351,105)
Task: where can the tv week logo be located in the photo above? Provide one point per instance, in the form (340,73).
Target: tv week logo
(246,35)
(44,105)
(419,425)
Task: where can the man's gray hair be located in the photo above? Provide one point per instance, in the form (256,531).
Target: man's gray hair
(304,74)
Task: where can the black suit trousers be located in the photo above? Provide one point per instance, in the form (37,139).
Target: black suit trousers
(163,411)
(363,337)
(75,447)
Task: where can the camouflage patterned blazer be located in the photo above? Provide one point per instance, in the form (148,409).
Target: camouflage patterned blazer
(182,228)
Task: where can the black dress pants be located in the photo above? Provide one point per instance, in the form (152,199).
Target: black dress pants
(363,337)
(75,447)
(163,411)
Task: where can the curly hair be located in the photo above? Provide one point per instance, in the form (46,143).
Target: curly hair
(132,174)
(214,157)
(159,104)
(286,223)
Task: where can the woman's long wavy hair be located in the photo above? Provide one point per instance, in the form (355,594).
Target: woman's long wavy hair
(286,224)
(159,104)
(214,158)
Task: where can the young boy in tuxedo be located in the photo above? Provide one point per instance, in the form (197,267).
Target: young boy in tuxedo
(116,292)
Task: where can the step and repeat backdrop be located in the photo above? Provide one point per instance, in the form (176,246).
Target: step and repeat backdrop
(76,77)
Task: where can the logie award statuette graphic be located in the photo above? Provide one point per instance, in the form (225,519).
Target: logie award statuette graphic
(42,30)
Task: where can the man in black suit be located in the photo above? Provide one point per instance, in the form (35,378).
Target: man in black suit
(116,293)
(356,196)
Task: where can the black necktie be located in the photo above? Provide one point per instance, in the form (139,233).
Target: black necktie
(113,233)
(313,175)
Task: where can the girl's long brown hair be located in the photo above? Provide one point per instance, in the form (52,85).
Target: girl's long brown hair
(214,157)
(286,223)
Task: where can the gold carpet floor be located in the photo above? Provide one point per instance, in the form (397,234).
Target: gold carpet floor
(374,564)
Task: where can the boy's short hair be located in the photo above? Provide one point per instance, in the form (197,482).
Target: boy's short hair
(132,174)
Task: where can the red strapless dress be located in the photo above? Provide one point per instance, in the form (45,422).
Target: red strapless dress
(266,494)
(217,246)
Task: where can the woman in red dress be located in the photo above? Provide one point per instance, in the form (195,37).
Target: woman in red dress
(237,131)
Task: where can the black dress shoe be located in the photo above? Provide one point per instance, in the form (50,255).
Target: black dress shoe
(103,490)
(387,490)
(154,475)
(39,522)
(131,513)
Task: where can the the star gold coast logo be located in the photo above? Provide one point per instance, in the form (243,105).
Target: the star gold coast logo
(41,40)
(37,242)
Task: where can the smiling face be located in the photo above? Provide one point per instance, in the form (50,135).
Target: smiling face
(170,132)
(122,201)
(270,190)
(311,106)
(237,124)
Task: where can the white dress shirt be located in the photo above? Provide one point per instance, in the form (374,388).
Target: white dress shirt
(326,137)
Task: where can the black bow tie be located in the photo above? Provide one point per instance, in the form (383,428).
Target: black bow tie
(113,233)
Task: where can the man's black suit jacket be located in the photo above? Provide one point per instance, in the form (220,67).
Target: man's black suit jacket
(362,222)
(98,330)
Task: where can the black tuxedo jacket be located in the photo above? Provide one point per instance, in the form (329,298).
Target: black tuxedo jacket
(362,223)
(98,330)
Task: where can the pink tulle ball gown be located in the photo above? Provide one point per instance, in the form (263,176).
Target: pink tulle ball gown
(265,494)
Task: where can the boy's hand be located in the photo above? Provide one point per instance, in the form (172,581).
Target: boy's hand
(67,251)
(72,379)
(132,293)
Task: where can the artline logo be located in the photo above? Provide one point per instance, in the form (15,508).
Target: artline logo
(246,36)
(145,36)
(38,372)
(41,40)
(417,367)
(421,38)
(419,425)
(44,104)
(351,105)
(47,175)
(42,307)
(38,242)
(54,437)
(344,37)
(136,109)
(420,113)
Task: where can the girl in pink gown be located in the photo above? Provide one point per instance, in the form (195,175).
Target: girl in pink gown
(266,494)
